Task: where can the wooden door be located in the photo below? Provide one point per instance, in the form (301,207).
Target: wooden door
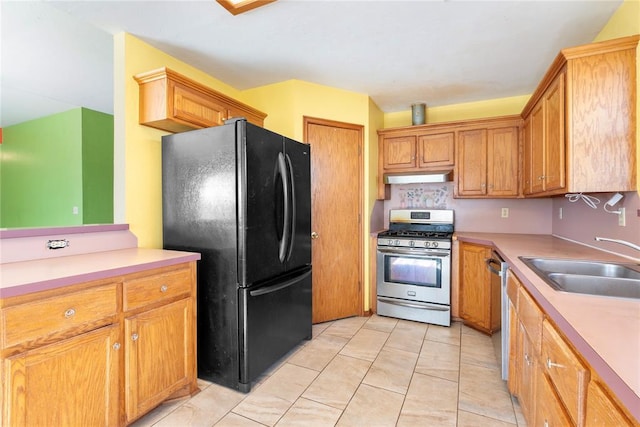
(73,382)
(472,162)
(336,219)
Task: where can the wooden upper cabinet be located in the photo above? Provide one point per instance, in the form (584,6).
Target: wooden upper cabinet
(172,102)
(436,150)
(582,119)
(400,152)
(472,162)
(414,149)
(488,159)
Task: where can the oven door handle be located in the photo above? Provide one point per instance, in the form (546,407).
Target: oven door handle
(421,305)
(411,252)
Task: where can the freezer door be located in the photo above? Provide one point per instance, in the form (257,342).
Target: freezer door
(298,158)
(261,204)
(274,318)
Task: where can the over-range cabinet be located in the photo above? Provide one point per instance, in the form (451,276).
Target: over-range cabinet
(241,196)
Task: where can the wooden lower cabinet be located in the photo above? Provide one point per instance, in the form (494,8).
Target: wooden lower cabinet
(479,292)
(74,382)
(157,356)
(94,363)
(553,383)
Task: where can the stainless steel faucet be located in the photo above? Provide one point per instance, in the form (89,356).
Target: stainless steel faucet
(622,242)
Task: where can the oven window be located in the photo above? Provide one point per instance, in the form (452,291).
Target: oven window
(413,271)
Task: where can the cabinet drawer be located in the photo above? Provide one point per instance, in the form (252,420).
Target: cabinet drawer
(150,289)
(531,317)
(512,288)
(601,411)
(567,373)
(55,316)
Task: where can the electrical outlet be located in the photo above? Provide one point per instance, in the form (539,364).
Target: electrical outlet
(505,213)
(75,210)
(560,213)
(621,218)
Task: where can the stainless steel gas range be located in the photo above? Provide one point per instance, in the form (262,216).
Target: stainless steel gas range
(414,266)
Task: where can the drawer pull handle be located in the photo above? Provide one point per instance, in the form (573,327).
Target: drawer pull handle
(527,359)
(164,288)
(69,313)
(134,337)
(116,346)
(550,364)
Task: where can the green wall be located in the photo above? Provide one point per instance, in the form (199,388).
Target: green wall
(50,165)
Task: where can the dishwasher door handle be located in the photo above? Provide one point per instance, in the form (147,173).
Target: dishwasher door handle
(489,262)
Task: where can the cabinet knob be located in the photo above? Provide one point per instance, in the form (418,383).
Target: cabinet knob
(116,346)
(527,359)
(164,288)
(314,235)
(134,337)
(69,313)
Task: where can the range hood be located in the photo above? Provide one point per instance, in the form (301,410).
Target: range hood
(418,177)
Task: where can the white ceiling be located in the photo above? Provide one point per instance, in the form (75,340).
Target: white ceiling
(58,55)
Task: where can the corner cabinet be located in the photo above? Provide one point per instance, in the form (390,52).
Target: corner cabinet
(73,355)
(479,294)
(172,102)
(580,131)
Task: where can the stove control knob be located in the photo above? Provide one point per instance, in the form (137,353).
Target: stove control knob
(434,244)
(397,242)
(390,242)
(412,243)
(427,244)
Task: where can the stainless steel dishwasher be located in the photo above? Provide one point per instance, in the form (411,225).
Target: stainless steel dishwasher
(498,268)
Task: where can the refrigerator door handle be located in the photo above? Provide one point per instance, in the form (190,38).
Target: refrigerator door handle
(292,194)
(284,241)
(279,286)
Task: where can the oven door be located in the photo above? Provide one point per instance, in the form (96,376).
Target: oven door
(414,274)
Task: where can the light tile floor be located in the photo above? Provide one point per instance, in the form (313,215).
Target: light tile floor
(364,371)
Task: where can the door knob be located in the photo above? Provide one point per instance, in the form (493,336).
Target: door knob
(314,235)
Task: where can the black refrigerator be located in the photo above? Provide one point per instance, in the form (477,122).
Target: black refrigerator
(241,196)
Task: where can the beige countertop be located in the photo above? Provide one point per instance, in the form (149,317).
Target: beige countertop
(19,278)
(605,330)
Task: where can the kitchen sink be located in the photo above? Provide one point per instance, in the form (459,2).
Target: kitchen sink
(602,278)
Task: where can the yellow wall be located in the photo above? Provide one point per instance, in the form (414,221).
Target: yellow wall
(466,111)
(287,103)
(138,189)
(626,22)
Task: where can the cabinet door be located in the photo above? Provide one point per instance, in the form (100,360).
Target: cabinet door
(549,410)
(554,157)
(513,381)
(399,152)
(73,382)
(436,150)
(537,149)
(528,371)
(475,286)
(472,162)
(502,162)
(159,353)
(527,157)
